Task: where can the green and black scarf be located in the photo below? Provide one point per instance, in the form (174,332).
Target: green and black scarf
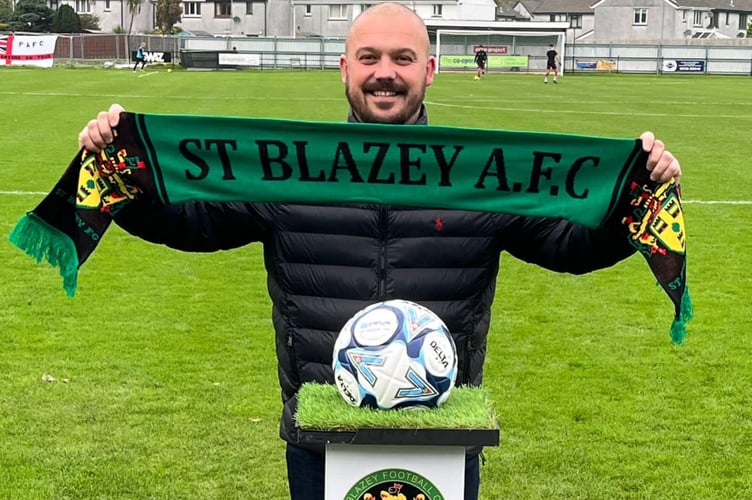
(586,180)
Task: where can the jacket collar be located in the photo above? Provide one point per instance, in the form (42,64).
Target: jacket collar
(422,116)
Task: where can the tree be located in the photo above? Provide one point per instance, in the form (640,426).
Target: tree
(134,6)
(31,15)
(89,22)
(6,10)
(66,20)
(168,14)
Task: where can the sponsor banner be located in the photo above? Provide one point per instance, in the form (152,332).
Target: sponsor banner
(462,62)
(236,59)
(153,56)
(492,49)
(27,50)
(599,65)
(683,66)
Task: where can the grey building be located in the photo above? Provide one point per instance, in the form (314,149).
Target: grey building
(663,20)
(578,14)
(588,20)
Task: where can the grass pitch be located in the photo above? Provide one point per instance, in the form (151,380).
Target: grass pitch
(321,408)
(159,379)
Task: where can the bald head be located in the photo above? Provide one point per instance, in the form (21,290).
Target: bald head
(394,13)
(387,66)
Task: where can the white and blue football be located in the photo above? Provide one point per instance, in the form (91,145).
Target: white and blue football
(395,354)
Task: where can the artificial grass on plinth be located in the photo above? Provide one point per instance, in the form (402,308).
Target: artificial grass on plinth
(321,407)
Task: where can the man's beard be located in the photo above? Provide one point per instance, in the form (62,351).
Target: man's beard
(359,106)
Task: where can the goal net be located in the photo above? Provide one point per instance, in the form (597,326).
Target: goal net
(507,50)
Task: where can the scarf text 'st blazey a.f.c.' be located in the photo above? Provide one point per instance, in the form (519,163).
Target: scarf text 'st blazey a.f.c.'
(586,180)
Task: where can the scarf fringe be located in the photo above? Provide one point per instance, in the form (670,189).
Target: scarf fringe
(43,242)
(685,313)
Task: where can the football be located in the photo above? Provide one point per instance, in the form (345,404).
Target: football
(395,354)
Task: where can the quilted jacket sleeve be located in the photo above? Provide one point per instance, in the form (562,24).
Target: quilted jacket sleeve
(559,245)
(195,226)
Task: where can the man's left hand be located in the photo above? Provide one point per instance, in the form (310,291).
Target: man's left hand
(662,164)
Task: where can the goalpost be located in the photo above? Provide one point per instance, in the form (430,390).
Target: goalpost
(508,50)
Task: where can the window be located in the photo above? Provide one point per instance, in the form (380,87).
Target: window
(640,17)
(83,7)
(107,7)
(557,18)
(192,9)
(249,8)
(438,10)
(54,4)
(575,21)
(222,9)
(364,6)
(338,12)
(697,19)
(742,21)
(308,10)
(728,18)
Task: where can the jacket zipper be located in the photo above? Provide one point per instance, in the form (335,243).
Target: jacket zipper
(383,234)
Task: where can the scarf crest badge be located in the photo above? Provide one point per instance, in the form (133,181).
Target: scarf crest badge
(103,180)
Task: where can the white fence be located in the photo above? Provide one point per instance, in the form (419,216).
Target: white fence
(625,58)
(699,57)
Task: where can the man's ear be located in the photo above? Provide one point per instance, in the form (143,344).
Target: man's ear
(430,70)
(343,67)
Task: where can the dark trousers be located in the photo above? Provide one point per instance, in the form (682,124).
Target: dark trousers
(305,474)
(142,62)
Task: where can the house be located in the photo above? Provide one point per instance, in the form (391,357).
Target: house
(238,18)
(283,18)
(526,8)
(332,19)
(662,20)
(588,20)
(577,13)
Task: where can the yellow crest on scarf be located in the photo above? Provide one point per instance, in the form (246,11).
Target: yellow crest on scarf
(100,184)
(668,225)
(658,221)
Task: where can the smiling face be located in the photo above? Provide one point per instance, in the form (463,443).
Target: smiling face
(386,67)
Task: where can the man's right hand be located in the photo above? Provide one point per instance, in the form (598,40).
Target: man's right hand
(98,132)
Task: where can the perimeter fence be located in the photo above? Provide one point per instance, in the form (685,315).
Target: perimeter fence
(729,57)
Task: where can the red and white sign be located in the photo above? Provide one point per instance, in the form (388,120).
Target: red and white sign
(27,50)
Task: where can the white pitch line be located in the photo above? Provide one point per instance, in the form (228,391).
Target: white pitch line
(492,99)
(478,99)
(686,202)
(717,202)
(746,116)
(22,193)
(176,97)
(584,112)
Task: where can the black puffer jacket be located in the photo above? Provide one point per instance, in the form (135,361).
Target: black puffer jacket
(324,263)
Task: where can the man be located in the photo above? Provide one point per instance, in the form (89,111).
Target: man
(481,59)
(140,57)
(552,58)
(324,263)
